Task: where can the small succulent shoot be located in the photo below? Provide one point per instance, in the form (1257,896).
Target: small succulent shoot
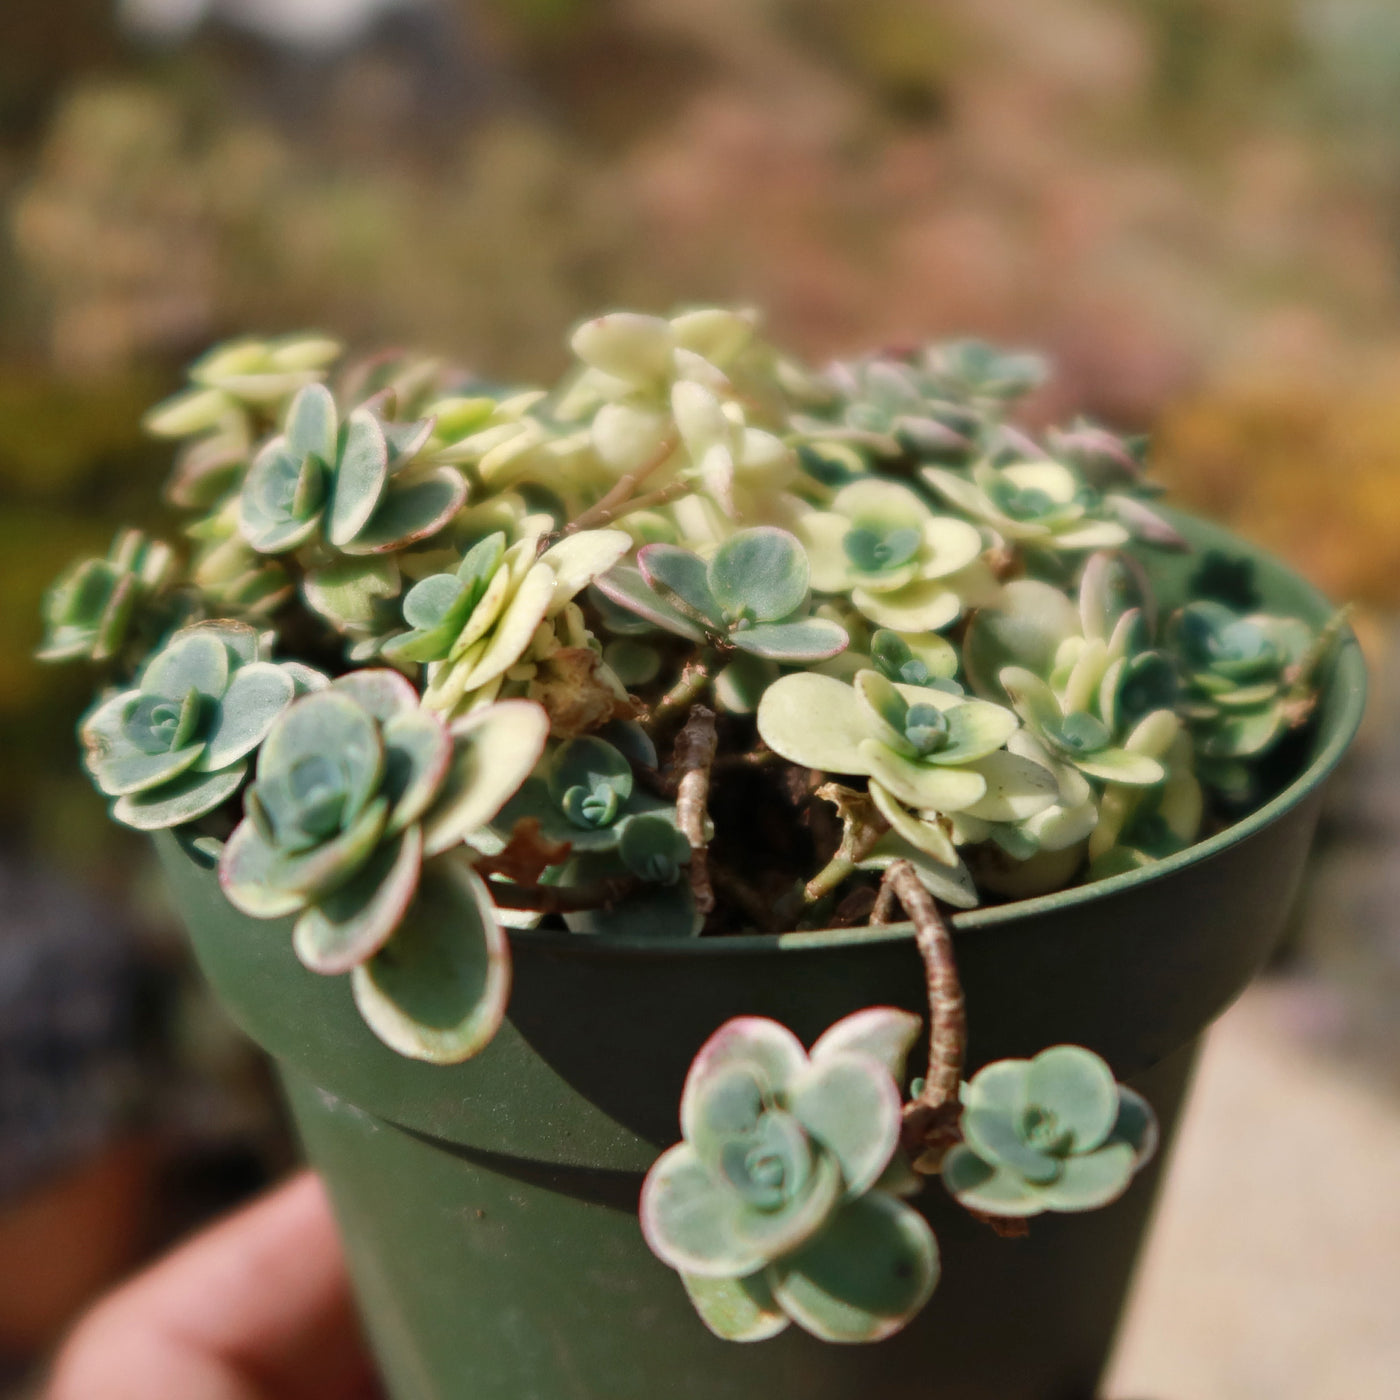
(1077,736)
(583,794)
(778,1205)
(348,487)
(1054,1133)
(242,375)
(751,596)
(1240,672)
(175,746)
(1037,504)
(91,609)
(921,748)
(913,659)
(879,543)
(356,786)
(472,626)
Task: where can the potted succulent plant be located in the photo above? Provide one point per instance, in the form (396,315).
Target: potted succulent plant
(537,768)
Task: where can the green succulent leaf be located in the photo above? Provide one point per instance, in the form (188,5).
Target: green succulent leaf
(849,1103)
(765,1048)
(437,990)
(627,588)
(811,639)
(494,750)
(761,574)
(682,579)
(691,1221)
(737,1309)
(1077,1088)
(349,923)
(184,798)
(864,1276)
(884,1033)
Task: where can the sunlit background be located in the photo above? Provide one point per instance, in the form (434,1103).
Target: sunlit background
(1194,205)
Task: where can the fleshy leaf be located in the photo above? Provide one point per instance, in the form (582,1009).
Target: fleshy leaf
(815,721)
(864,1276)
(760,573)
(256,695)
(690,1220)
(343,928)
(192,794)
(766,1047)
(811,639)
(437,991)
(362,469)
(736,1309)
(1078,1088)
(682,580)
(494,750)
(849,1103)
(885,1033)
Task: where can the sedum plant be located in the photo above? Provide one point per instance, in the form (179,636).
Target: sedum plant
(697,641)
(1051,1133)
(782,1204)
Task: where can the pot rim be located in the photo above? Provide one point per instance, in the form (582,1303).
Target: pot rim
(1343,700)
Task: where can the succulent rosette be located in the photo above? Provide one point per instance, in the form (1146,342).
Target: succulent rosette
(782,1203)
(1037,504)
(90,610)
(921,748)
(1054,1133)
(356,787)
(1246,679)
(903,567)
(242,375)
(339,489)
(176,745)
(474,626)
(752,596)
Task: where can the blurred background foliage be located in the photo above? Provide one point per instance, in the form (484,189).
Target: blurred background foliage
(1193,204)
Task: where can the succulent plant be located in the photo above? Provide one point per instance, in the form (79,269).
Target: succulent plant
(1244,676)
(921,748)
(90,609)
(1052,1133)
(241,374)
(176,745)
(357,786)
(473,626)
(583,793)
(780,1203)
(1038,504)
(751,596)
(351,488)
(902,566)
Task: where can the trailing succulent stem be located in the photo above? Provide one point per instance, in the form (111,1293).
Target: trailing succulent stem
(697,641)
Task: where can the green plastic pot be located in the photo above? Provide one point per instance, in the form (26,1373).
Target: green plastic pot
(489,1208)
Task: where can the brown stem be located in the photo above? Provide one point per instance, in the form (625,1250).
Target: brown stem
(610,505)
(947,1012)
(563,899)
(690,765)
(599,515)
(931,1120)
